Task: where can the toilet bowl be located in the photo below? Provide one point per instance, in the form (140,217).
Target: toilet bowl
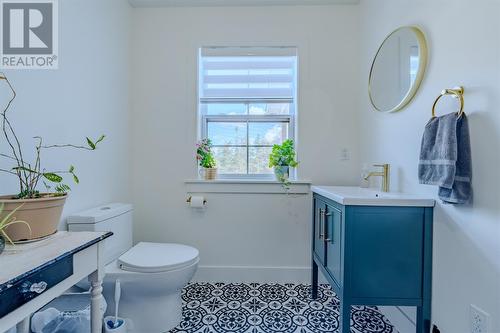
(151,275)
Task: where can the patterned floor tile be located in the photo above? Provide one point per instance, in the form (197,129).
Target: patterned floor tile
(270,308)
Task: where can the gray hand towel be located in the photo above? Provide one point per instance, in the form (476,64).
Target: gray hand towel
(461,191)
(445,158)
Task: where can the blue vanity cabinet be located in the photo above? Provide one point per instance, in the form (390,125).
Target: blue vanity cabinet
(327,237)
(374,255)
(333,242)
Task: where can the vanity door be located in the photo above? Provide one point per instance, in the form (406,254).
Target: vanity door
(319,230)
(333,239)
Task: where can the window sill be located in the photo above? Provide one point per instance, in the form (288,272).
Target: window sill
(257,186)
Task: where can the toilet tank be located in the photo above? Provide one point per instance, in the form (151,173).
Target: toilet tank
(114,217)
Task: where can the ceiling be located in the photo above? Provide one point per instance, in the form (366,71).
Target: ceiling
(199,3)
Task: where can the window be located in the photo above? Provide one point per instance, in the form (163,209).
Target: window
(246,105)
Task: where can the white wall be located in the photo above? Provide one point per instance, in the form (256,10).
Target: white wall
(464,45)
(249,230)
(86,96)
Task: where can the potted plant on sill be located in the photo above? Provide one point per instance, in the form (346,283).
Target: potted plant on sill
(282,158)
(41,211)
(206,159)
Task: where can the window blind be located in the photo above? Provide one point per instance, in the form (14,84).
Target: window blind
(247,74)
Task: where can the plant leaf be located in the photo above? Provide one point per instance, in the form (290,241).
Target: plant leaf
(75,178)
(62,189)
(7,237)
(100,139)
(71,169)
(16,222)
(91,144)
(8,216)
(53,177)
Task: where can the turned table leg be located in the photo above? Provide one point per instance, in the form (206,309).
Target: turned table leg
(96,315)
(96,298)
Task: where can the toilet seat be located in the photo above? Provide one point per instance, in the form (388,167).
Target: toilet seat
(157,257)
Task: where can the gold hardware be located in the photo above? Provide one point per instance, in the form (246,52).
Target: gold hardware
(457,92)
(422,64)
(384,174)
(188,200)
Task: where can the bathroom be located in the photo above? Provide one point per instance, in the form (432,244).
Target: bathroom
(130,70)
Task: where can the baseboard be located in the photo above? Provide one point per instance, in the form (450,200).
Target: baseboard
(237,274)
(403,318)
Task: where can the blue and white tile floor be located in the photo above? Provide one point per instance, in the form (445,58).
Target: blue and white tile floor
(270,308)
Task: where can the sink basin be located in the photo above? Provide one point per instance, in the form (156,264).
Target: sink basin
(357,196)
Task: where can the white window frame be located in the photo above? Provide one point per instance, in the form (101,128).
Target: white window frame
(248,118)
(290,118)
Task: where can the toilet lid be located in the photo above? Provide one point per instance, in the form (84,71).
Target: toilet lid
(157,257)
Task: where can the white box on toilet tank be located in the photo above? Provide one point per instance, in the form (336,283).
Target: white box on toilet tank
(114,217)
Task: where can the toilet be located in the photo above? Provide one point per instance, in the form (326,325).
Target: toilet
(152,275)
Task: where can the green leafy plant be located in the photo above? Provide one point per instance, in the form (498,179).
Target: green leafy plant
(204,154)
(30,174)
(283,155)
(282,158)
(8,220)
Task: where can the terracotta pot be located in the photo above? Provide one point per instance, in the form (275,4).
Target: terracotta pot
(210,173)
(42,214)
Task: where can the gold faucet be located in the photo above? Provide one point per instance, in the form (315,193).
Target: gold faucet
(384,174)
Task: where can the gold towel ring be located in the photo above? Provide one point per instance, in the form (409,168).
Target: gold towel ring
(457,92)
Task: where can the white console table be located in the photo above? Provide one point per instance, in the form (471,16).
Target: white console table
(33,274)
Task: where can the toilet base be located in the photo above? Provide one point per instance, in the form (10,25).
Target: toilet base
(150,302)
(143,314)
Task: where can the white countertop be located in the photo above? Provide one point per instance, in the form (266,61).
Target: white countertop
(357,196)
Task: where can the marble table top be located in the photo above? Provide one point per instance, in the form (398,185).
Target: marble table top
(18,261)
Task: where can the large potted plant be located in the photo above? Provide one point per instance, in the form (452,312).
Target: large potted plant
(206,159)
(40,210)
(282,158)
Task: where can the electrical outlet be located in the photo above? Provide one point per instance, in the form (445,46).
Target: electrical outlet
(344,154)
(479,320)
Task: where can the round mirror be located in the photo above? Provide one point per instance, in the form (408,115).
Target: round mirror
(398,69)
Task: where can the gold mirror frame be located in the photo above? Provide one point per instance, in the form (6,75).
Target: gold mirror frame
(422,64)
